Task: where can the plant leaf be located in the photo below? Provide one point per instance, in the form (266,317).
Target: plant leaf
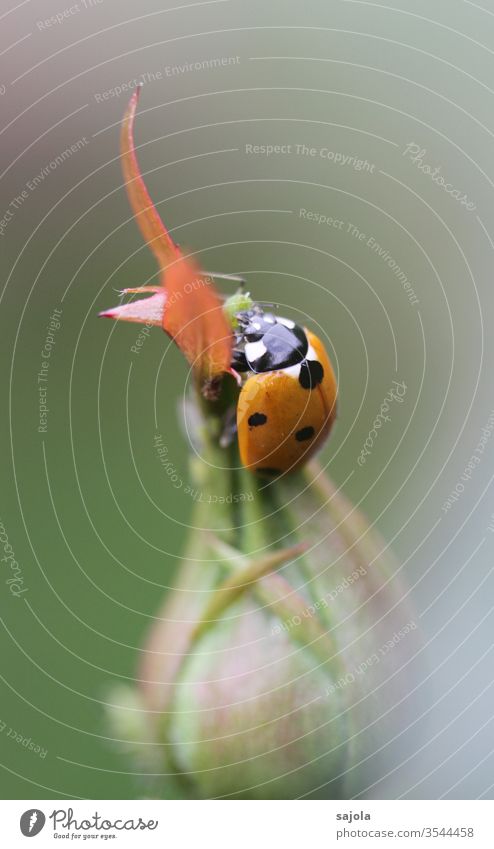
(195,320)
(147,310)
(186,305)
(149,222)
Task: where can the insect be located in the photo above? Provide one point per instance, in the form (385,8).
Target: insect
(287,403)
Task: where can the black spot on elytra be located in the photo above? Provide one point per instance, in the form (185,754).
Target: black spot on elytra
(304,433)
(268,471)
(257,419)
(311,374)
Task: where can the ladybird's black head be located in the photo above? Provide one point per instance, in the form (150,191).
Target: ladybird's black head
(266,342)
(254,323)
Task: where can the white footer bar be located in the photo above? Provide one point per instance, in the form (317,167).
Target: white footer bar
(249,825)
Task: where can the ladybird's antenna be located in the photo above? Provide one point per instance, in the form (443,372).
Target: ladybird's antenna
(233,277)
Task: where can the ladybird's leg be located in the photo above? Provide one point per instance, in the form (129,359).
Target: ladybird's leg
(236,376)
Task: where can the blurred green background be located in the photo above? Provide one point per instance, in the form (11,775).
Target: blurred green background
(94,523)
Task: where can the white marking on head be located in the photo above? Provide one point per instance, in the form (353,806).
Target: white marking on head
(254,351)
(287,322)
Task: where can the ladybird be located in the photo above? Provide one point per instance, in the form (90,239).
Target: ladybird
(287,403)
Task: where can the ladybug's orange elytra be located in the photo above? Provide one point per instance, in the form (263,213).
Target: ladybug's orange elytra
(284,414)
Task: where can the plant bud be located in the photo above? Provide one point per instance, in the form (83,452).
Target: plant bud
(282,662)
